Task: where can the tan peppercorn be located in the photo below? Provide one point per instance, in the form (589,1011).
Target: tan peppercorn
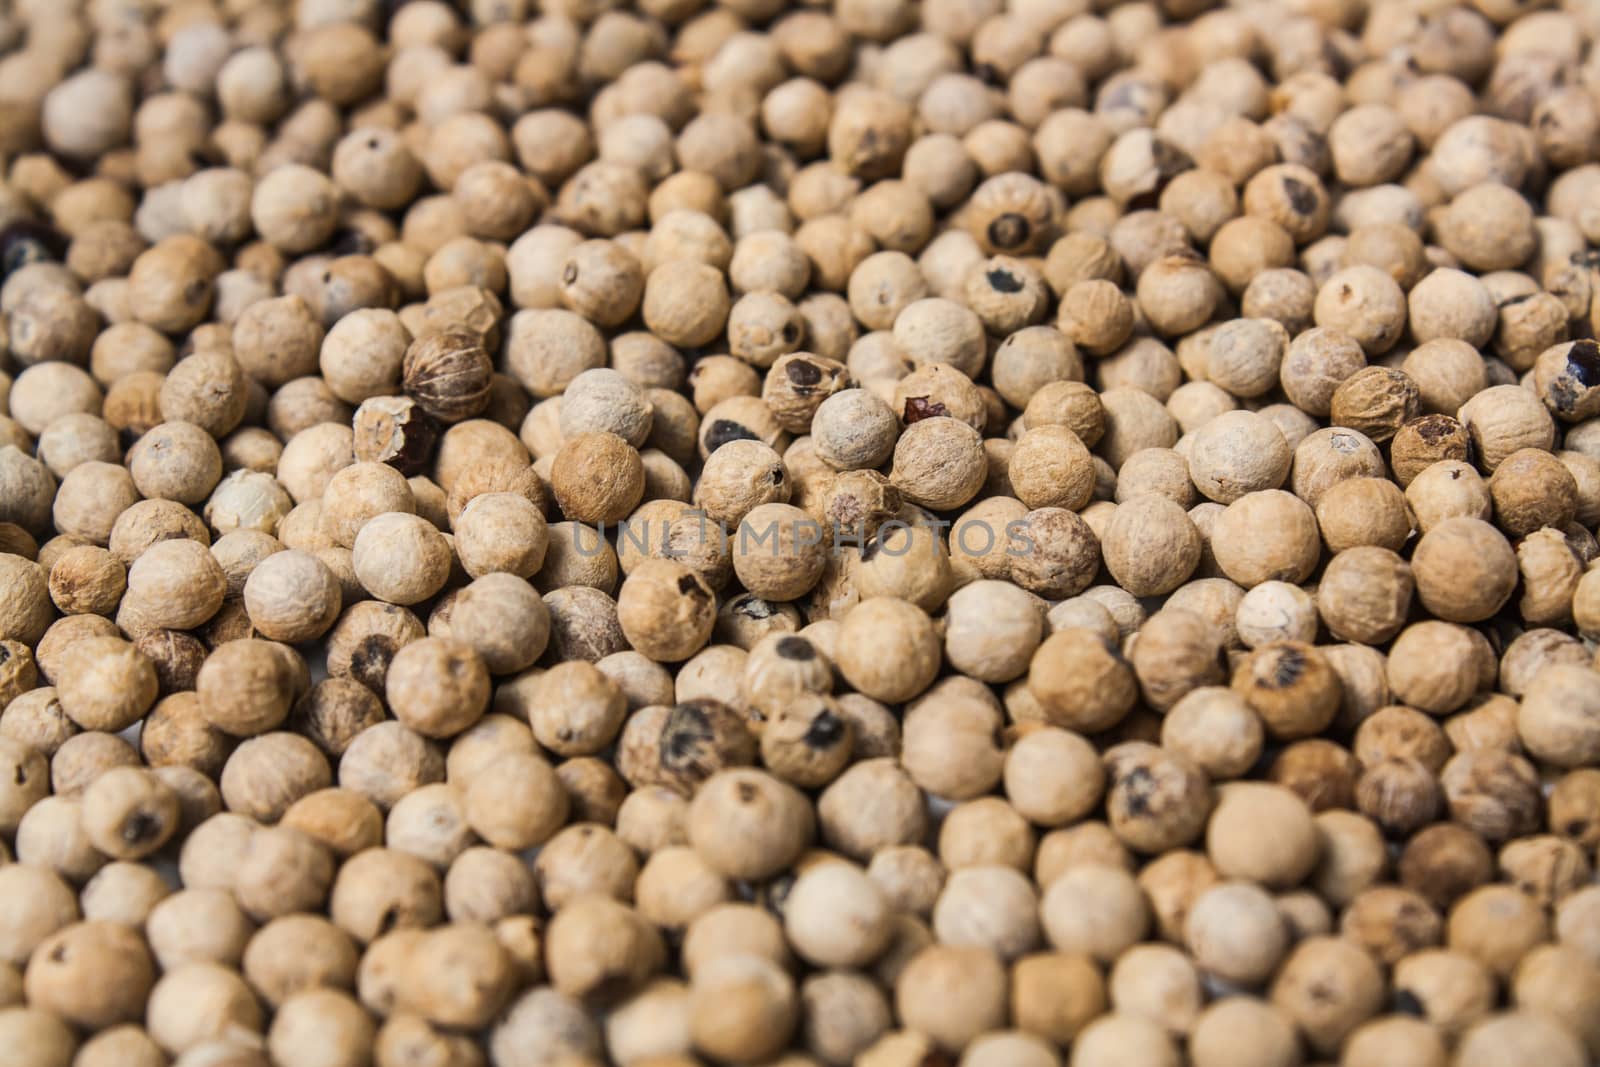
(666,610)
(175,584)
(68,974)
(952,994)
(1269,535)
(1292,687)
(1247,817)
(129,813)
(1350,981)
(597,478)
(106,684)
(939,463)
(199,1002)
(1050,467)
(170,284)
(87,580)
(1235,931)
(266,774)
(742,1006)
(1375,400)
(1504,419)
(1156,799)
(747,824)
(246,687)
(778,551)
(1531,488)
(890,678)
(685,303)
(516,802)
(1054,995)
(437,686)
(1465,570)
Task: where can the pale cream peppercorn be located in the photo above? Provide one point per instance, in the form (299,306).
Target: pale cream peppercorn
(778,551)
(401,558)
(854,430)
(1216,729)
(1236,453)
(501,532)
(292,597)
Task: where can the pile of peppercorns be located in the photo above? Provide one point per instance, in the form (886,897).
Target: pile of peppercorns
(959,533)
